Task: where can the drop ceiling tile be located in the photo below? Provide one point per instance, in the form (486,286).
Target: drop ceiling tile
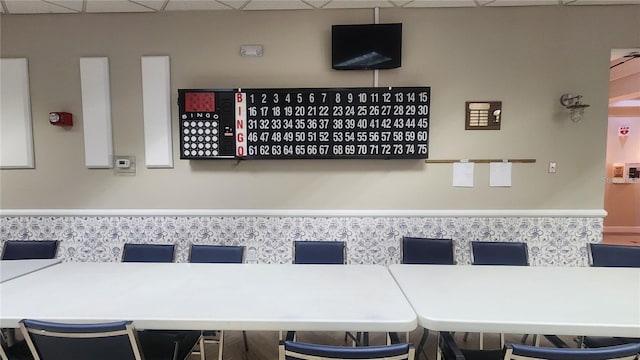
(358,4)
(606,2)
(236,4)
(75,5)
(400,3)
(318,4)
(277,5)
(105,6)
(523,2)
(196,5)
(442,3)
(153,4)
(33,7)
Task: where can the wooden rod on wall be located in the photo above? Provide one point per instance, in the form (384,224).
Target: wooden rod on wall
(448,161)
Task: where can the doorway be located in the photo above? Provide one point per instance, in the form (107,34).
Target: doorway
(622,188)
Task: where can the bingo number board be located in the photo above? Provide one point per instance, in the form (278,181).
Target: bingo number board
(321,123)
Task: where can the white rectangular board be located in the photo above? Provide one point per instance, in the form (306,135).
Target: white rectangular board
(16,134)
(156,101)
(96,112)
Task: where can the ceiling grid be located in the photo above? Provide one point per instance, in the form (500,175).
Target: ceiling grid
(8,7)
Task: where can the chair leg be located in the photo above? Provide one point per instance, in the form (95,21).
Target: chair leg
(175,350)
(220,345)
(365,338)
(466,336)
(202,354)
(354,338)
(246,344)
(423,340)
(524,338)
(556,341)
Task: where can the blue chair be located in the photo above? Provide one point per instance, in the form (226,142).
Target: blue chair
(157,253)
(291,350)
(18,351)
(216,254)
(416,250)
(319,252)
(24,250)
(54,341)
(608,255)
(450,351)
(526,352)
(499,253)
(427,251)
(104,341)
(29,249)
(602,341)
(322,252)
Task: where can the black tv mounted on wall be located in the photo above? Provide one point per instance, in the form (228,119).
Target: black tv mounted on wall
(366,46)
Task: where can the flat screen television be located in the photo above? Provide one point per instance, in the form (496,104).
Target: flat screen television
(366,46)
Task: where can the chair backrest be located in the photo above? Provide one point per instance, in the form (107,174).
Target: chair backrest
(158,253)
(216,254)
(618,352)
(106,341)
(319,252)
(499,253)
(608,255)
(416,250)
(29,249)
(291,350)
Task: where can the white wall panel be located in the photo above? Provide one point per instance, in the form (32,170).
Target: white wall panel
(16,138)
(156,99)
(96,112)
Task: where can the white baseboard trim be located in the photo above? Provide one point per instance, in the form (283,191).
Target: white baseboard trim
(621,230)
(553,213)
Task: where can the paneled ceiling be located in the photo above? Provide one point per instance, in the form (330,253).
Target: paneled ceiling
(113,6)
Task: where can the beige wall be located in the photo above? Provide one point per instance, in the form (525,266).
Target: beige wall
(524,56)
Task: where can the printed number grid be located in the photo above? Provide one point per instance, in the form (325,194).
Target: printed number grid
(338,123)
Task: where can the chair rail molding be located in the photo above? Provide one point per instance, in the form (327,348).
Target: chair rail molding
(596,213)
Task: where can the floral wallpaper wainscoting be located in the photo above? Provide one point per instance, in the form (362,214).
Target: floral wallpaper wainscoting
(552,240)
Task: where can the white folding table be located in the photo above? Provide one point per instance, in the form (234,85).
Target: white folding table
(11,269)
(524,299)
(185,296)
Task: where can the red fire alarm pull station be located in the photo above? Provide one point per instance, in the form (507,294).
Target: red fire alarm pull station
(61,118)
